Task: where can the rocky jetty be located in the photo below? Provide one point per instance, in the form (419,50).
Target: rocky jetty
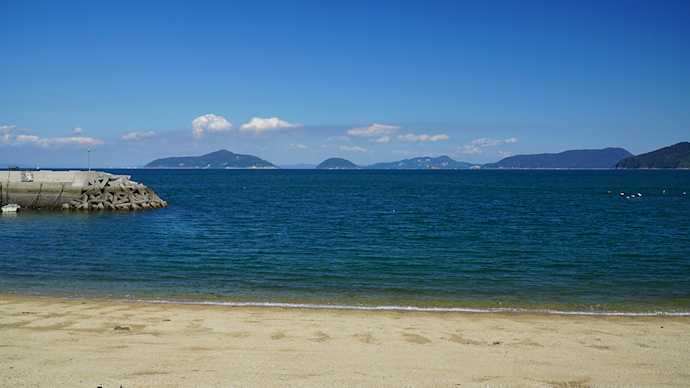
(79,190)
(115,192)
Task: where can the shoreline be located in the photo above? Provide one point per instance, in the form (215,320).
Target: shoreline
(81,342)
(363,307)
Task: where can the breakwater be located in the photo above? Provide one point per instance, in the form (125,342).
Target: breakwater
(78,190)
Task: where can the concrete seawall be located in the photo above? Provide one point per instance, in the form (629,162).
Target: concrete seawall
(80,190)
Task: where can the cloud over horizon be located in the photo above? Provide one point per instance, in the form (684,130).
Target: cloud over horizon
(338,138)
(422,137)
(138,135)
(475,147)
(353,149)
(209,123)
(17,137)
(384,139)
(374,130)
(258,125)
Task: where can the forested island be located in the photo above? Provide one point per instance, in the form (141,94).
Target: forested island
(574,159)
(442,163)
(675,156)
(218,159)
(337,164)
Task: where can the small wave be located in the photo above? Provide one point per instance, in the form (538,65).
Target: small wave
(317,306)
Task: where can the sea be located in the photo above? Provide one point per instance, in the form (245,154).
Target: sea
(555,241)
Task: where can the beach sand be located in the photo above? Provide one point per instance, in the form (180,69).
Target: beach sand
(75,343)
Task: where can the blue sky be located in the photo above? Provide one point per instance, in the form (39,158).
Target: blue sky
(369,81)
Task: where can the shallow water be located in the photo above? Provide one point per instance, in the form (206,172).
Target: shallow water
(473,240)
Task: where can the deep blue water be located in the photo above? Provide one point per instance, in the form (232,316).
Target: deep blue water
(535,240)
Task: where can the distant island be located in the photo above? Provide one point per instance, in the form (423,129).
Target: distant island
(218,159)
(675,156)
(337,164)
(424,163)
(575,159)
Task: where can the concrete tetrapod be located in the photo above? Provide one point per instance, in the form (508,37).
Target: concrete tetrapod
(78,190)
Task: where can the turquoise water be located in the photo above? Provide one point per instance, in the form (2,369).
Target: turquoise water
(448,240)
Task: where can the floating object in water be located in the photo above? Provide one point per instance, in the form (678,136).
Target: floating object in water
(13,207)
(622,194)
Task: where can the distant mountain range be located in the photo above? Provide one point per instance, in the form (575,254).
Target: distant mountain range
(218,159)
(424,163)
(337,164)
(604,158)
(675,156)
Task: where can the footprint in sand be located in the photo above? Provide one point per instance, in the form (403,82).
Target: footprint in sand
(321,337)
(458,339)
(367,338)
(278,335)
(416,338)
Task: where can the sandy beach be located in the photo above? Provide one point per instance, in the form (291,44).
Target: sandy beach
(81,343)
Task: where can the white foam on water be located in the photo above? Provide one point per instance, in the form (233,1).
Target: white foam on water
(317,306)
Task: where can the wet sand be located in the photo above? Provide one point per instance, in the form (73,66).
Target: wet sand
(75,343)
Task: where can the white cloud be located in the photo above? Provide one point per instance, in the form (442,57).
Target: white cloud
(439,137)
(7,128)
(15,137)
(470,149)
(74,140)
(374,130)
(422,137)
(58,141)
(5,139)
(25,139)
(258,125)
(352,149)
(77,131)
(293,145)
(411,137)
(13,129)
(209,123)
(338,138)
(138,135)
(475,146)
(384,139)
(486,142)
